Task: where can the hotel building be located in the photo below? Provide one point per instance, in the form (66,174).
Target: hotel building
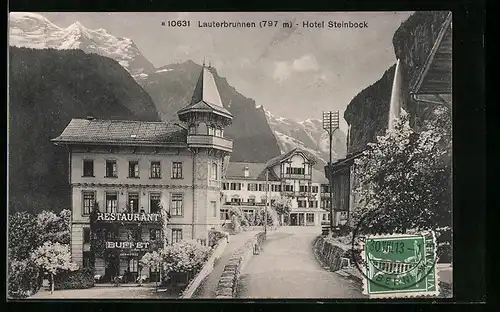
(290,176)
(137,167)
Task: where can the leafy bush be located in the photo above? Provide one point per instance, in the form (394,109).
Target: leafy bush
(79,279)
(185,257)
(24,279)
(214,236)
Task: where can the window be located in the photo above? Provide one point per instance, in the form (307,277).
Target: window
(313,204)
(132,265)
(224,214)
(310,217)
(236,200)
(112,235)
(288,188)
(111,169)
(86,235)
(176,170)
(88,202)
(294,170)
(176,205)
(88,168)
(155,170)
(176,235)
(315,189)
(154,203)
(235,186)
(133,201)
(262,188)
(302,203)
(155,234)
(248,213)
(133,169)
(213,171)
(252,186)
(213,206)
(225,186)
(111,201)
(303,188)
(192,129)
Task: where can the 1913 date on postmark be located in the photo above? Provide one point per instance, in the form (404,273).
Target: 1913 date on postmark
(399,265)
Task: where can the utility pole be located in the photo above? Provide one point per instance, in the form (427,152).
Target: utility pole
(267,202)
(330,124)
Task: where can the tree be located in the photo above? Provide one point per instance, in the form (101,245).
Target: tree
(23,278)
(153,259)
(282,206)
(53,258)
(24,235)
(237,217)
(404,178)
(54,228)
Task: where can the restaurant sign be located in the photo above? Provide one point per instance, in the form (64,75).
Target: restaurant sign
(127,245)
(128,217)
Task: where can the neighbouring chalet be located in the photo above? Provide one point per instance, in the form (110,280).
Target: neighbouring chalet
(432,88)
(290,176)
(132,168)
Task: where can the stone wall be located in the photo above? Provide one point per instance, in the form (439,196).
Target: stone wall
(330,254)
(206,270)
(227,287)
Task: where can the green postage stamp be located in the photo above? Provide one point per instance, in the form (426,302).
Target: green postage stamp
(400,265)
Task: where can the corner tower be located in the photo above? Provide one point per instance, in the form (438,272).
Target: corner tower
(206,119)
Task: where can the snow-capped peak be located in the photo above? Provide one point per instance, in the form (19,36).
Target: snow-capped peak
(33,30)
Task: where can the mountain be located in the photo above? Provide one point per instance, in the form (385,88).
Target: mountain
(35,31)
(47,88)
(308,135)
(171,87)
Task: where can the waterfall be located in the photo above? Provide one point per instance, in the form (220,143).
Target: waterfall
(396,97)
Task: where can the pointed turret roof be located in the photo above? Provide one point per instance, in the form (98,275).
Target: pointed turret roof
(206,97)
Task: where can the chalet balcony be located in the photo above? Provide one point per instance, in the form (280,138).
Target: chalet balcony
(296,176)
(210,141)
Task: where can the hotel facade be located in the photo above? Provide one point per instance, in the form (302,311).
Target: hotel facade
(291,177)
(131,169)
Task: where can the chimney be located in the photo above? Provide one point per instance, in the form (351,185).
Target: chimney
(246,172)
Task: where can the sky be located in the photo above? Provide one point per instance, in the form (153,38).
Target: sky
(296,73)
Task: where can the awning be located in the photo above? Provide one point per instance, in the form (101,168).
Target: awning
(434,83)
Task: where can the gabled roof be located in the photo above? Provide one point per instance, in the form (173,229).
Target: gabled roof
(278,159)
(206,97)
(256,171)
(436,75)
(122,132)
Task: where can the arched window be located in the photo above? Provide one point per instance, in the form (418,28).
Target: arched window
(213,171)
(217,132)
(211,130)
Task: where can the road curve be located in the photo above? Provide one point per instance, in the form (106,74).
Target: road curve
(287,268)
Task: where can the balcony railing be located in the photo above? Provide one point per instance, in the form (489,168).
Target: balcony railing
(210,141)
(296,176)
(244,204)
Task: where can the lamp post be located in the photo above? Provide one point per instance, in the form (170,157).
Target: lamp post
(267,201)
(330,124)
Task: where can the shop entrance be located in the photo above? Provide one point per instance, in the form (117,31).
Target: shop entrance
(112,266)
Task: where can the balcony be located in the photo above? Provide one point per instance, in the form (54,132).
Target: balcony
(296,176)
(243,204)
(210,141)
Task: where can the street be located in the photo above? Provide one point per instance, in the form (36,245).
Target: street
(123,292)
(287,268)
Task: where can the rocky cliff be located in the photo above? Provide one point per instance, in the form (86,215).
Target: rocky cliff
(368,112)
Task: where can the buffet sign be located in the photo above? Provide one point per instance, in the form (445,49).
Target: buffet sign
(128,217)
(127,245)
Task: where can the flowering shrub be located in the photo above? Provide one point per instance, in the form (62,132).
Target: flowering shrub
(185,257)
(272,216)
(24,236)
(54,228)
(53,258)
(79,279)
(152,259)
(214,236)
(403,180)
(24,278)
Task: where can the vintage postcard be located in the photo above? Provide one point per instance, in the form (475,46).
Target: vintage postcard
(230,155)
